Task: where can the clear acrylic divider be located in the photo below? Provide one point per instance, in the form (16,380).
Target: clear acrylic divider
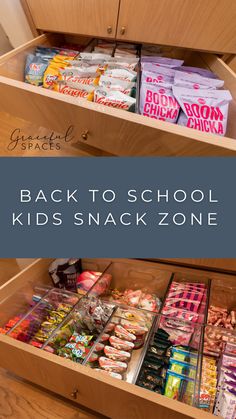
(120,348)
(43,318)
(142,287)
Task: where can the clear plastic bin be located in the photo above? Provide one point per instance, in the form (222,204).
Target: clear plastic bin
(139,286)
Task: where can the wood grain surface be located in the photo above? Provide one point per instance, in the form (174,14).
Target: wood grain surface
(204,25)
(88,17)
(20,399)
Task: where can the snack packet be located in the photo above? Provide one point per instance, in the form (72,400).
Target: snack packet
(75,80)
(34,69)
(155,75)
(128,63)
(122,74)
(200,71)
(205,110)
(52,74)
(195,81)
(94,56)
(123,86)
(158,102)
(161,62)
(114,99)
(82,90)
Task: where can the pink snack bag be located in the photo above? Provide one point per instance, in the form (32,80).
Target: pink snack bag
(152,74)
(195,81)
(158,102)
(204,110)
(161,61)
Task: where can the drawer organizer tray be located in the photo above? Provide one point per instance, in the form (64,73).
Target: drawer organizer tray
(107,129)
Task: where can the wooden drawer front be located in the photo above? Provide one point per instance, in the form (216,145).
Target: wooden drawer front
(111,397)
(111,130)
(204,25)
(89,17)
(227,265)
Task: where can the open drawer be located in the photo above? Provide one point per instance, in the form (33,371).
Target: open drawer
(78,382)
(112,130)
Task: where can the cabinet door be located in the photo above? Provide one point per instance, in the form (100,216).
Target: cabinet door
(83,17)
(197,24)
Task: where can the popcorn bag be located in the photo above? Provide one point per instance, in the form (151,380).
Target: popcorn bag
(204,110)
(158,102)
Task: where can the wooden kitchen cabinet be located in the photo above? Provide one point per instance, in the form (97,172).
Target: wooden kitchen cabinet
(84,17)
(204,25)
(187,27)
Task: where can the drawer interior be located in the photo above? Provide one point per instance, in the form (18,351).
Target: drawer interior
(39,282)
(133,275)
(12,66)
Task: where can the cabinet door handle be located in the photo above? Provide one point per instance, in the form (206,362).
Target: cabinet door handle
(109,29)
(123,29)
(85,134)
(74,394)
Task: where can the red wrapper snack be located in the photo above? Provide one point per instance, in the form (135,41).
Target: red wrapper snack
(122,333)
(116,354)
(99,347)
(121,344)
(110,327)
(139,331)
(112,366)
(105,337)
(87,279)
(158,102)
(204,110)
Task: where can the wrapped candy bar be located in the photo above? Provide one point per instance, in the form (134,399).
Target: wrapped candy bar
(205,110)
(110,327)
(179,333)
(221,317)
(122,333)
(116,354)
(121,344)
(180,314)
(113,366)
(139,331)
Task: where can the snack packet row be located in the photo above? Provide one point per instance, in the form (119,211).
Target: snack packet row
(185,301)
(188,96)
(95,76)
(113,352)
